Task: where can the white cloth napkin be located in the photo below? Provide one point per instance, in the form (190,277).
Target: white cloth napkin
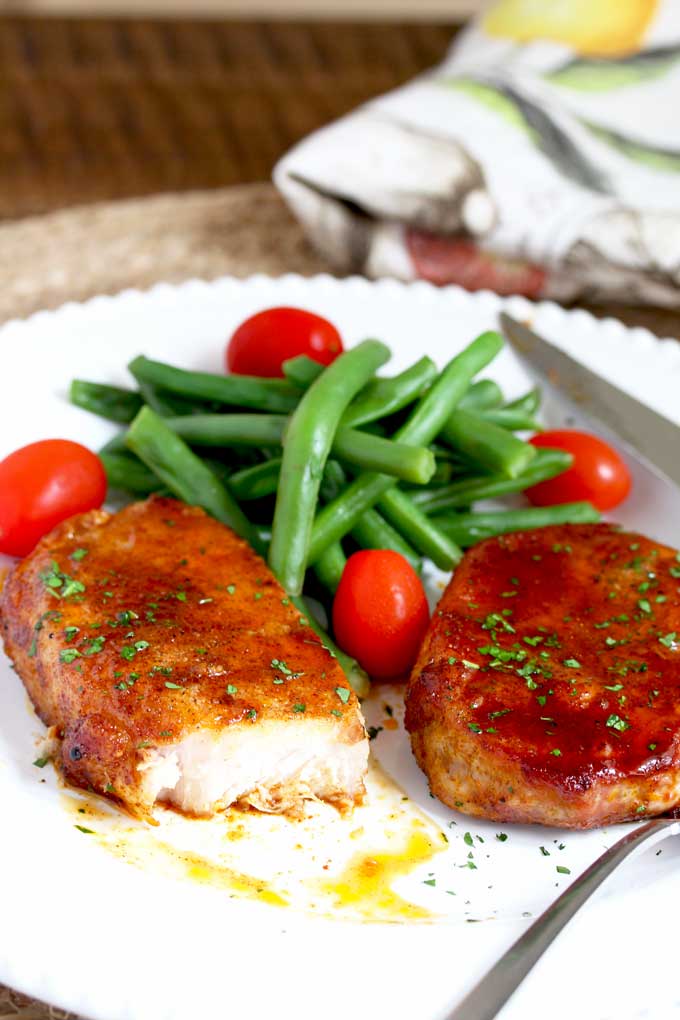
(542,157)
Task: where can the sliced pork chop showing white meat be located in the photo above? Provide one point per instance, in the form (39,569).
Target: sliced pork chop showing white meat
(173,668)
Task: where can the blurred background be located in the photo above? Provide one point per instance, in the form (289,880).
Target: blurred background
(182,108)
(109,100)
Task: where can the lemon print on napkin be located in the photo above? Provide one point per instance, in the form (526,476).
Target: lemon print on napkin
(605,28)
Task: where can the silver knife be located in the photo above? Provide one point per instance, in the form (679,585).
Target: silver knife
(645,435)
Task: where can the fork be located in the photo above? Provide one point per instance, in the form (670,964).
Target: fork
(489,996)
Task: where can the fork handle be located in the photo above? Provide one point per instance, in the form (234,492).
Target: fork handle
(495,988)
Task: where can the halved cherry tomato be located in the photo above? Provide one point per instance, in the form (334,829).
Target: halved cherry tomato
(41,485)
(264,341)
(598,473)
(380,612)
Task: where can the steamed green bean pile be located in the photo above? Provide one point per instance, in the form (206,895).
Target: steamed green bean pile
(331,459)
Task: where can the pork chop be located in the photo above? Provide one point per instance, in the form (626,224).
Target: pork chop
(173,668)
(548,686)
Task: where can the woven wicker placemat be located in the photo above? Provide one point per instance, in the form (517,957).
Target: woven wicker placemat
(102,249)
(106,247)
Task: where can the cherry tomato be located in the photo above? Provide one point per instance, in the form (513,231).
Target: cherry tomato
(41,485)
(264,341)
(380,612)
(598,473)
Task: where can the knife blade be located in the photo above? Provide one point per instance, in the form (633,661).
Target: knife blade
(650,439)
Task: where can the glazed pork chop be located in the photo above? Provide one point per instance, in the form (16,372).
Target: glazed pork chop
(548,687)
(172,667)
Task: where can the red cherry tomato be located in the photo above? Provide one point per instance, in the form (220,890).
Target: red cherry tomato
(598,473)
(380,612)
(264,341)
(41,485)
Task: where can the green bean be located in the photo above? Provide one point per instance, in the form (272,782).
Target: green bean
(111,402)
(382,397)
(466,529)
(127,473)
(301,371)
(423,424)
(185,474)
(379,398)
(370,453)
(529,403)
(372,531)
(514,421)
(414,464)
(309,438)
(482,396)
(256,482)
(115,445)
(486,444)
(419,530)
(270,395)
(230,429)
(330,565)
(356,676)
(333,481)
(546,464)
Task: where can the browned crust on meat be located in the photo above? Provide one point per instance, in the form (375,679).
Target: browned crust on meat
(576,723)
(179,625)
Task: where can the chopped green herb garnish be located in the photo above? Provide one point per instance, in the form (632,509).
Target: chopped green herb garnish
(668,639)
(562,870)
(88,832)
(251,713)
(69,655)
(40,763)
(501,836)
(343,693)
(173,686)
(615,722)
(299,707)
(232,689)
(95,645)
(79,554)
(572,663)
(474,727)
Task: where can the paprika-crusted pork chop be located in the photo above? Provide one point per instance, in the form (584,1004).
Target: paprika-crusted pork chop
(173,668)
(548,687)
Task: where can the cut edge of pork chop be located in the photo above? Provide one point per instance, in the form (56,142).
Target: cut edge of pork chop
(272,768)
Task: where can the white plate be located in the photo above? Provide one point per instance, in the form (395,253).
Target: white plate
(88,931)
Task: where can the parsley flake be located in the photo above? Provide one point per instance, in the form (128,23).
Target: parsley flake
(615,722)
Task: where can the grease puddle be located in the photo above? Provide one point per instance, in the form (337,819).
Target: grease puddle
(322,863)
